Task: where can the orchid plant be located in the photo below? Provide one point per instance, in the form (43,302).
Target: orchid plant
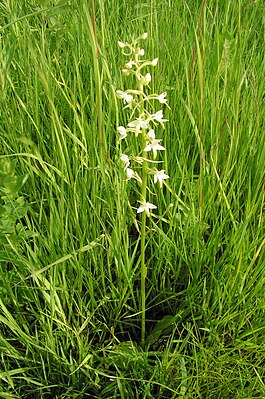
(143,122)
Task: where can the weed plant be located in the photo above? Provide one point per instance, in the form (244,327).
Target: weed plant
(70,275)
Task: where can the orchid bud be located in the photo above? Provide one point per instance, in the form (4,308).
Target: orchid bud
(121,44)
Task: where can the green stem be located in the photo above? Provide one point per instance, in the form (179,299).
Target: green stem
(143,265)
(143,231)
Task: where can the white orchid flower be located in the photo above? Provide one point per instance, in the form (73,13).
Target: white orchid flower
(145,80)
(158,116)
(130,64)
(126,72)
(138,124)
(122,132)
(125,159)
(154,146)
(131,174)
(146,207)
(121,44)
(154,62)
(151,134)
(162,98)
(138,51)
(126,97)
(160,176)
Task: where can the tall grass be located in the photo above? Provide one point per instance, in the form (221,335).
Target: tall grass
(70,287)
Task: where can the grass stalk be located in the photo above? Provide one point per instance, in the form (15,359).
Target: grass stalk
(143,239)
(200,77)
(143,227)
(92,29)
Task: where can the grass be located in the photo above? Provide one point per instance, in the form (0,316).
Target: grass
(70,271)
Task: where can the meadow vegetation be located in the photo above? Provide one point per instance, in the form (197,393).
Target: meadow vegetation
(70,252)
